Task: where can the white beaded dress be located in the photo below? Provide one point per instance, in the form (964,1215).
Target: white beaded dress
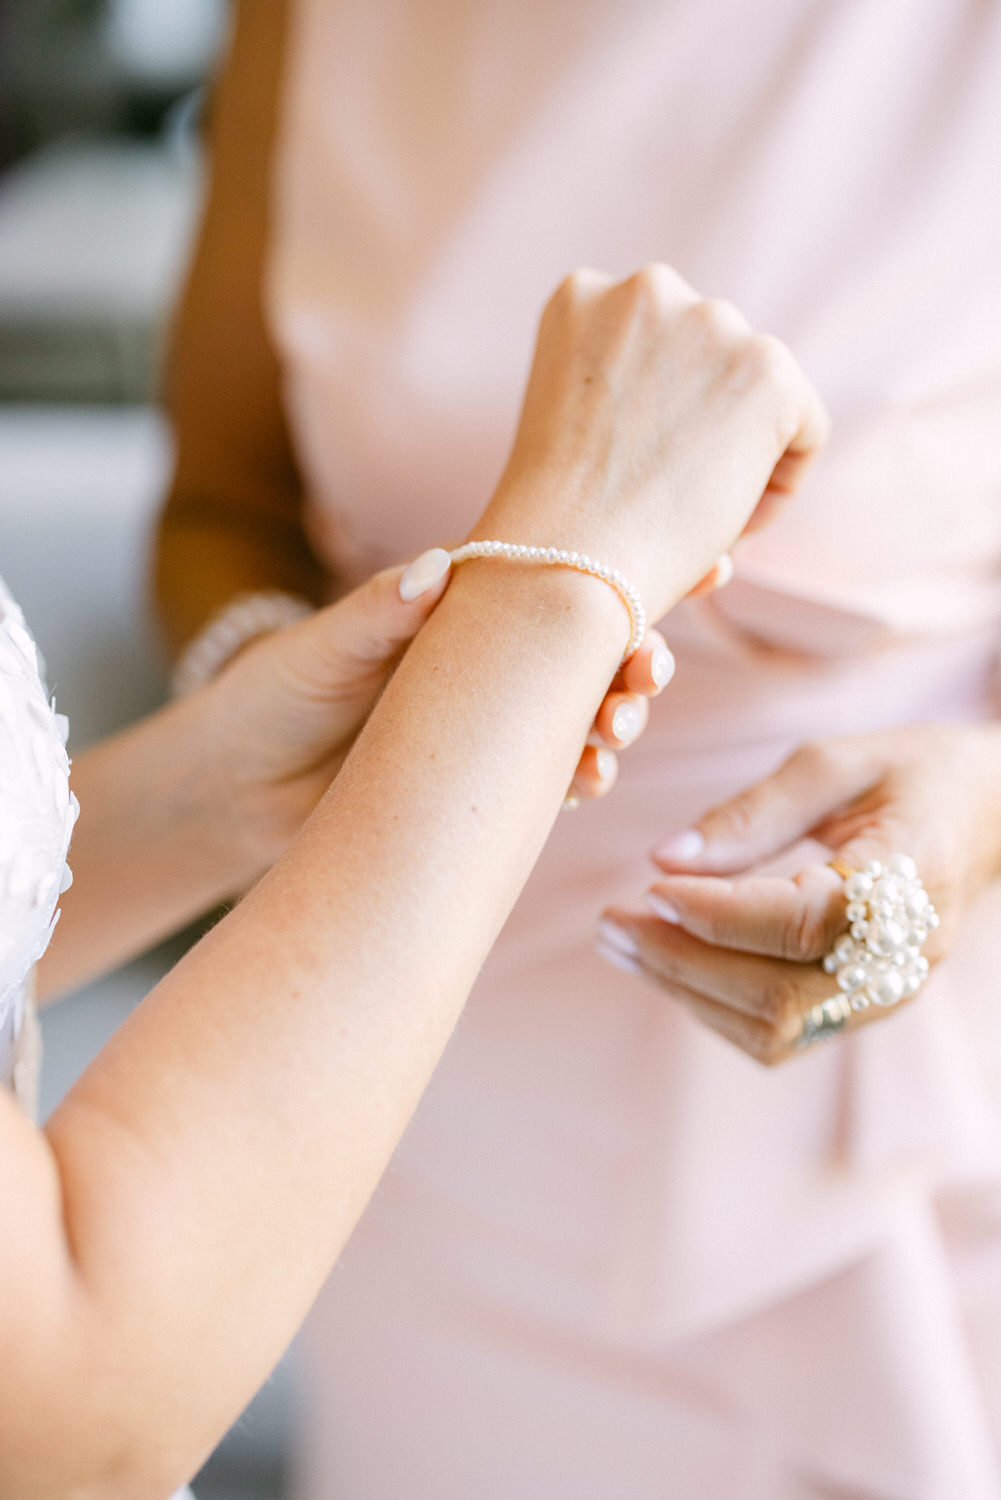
(37,813)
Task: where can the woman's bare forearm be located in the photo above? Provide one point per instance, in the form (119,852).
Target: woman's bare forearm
(203,1174)
(243,1115)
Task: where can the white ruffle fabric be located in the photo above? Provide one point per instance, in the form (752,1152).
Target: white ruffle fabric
(37,814)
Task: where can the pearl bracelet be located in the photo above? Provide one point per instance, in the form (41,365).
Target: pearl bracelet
(557,557)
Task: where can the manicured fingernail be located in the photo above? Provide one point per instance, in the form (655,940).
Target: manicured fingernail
(423,573)
(681,847)
(664,909)
(619,938)
(724,571)
(662,665)
(605,764)
(626,723)
(619,959)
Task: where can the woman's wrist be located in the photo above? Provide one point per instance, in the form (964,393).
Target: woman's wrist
(561,609)
(535,515)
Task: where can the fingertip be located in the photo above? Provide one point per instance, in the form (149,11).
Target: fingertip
(597,772)
(423,581)
(680,849)
(622,718)
(651,668)
(723,571)
(718,577)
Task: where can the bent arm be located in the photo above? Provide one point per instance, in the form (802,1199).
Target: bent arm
(170,1228)
(233,518)
(190,1194)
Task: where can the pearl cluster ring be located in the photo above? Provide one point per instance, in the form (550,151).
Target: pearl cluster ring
(558,557)
(878,961)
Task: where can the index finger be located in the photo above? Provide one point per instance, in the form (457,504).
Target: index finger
(798,918)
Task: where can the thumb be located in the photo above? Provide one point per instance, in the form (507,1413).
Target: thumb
(772,814)
(337,652)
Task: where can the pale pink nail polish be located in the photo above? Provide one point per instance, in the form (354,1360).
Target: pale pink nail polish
(606,764)
(724,571)
(663,908)
(626,723)
(618,958)
(423,573)
(662,666)
(681,847)
(617,937)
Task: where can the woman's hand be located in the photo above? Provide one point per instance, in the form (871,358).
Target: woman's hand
(744,954)
(655,425)
(279,721)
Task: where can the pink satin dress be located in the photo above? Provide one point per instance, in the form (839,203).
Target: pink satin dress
(613,1259)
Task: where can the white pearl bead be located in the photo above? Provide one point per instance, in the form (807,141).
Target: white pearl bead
(887,988)
(851,977)
(932,919)
(885,938)
(830,963)
(902,864)
(859,931)
(874,868)
(857,911)
(844,949)
(860,1001)
(858,886)
(887,889)
(916,902)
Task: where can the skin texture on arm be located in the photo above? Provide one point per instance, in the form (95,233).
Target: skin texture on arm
(168,1230)
(206,1180)
(188,807)
(233,519)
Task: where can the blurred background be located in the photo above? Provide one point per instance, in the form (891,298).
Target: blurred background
(101,103)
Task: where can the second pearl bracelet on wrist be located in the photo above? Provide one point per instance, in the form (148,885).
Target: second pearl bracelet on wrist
(563,558)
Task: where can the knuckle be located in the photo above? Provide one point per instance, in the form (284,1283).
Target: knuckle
(766,360)
(656,284)
(782,1007)
(772,1049)
(805,937)
(734,820)
(720,318)
(814,761)
(573,288)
